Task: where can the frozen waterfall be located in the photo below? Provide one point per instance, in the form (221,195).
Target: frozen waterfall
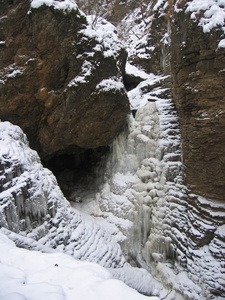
(142,217)
(146,206)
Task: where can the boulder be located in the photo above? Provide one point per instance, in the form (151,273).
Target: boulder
(60,78)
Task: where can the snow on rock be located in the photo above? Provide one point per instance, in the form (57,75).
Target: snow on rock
(145,90)
(33,205)
(65,5)
(134,34)
(10,71)
(214,13)
(85,73)
(105,33)
(134,71)
(110,84)
(74,63)
(35,215)
(34,275)
(221,44)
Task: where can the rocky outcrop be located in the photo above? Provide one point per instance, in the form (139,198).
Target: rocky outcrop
(60,79)
(198,89)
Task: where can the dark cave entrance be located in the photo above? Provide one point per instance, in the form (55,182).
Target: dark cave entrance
(79,174)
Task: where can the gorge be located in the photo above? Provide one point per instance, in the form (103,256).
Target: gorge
(144,177)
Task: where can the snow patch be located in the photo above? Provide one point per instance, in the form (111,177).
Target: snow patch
(105,33)
(214,13)
(34,275)
(110,84)
(66,5)
(221,44)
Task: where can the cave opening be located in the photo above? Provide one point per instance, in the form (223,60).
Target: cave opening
(79,174)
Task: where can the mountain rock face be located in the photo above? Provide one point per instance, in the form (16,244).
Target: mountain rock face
(197,65)
(192,55)
(60,80)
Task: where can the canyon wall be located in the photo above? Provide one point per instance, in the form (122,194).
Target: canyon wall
(197,65)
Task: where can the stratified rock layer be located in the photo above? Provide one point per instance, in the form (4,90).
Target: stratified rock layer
(53,77)
(198,89)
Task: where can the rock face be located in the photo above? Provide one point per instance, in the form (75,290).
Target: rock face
(182,49)
(198,89)
(55,73)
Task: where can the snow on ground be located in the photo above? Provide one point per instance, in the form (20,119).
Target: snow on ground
(32,275)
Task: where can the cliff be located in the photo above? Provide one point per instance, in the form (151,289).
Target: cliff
(197,65)
(61,80)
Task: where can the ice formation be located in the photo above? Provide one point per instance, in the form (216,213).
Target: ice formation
(146,206)
(35,214)
(143,206)
(142,214)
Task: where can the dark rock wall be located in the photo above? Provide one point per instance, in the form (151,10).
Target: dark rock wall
(199,93)
(42,52)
